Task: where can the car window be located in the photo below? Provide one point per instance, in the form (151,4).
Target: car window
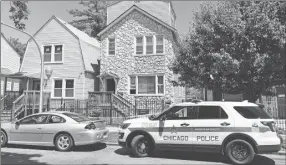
(56,119)
(252,112)
(35,119)
(77,117)
(211,112)
(180,113)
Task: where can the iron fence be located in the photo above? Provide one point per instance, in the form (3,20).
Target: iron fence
(112,113)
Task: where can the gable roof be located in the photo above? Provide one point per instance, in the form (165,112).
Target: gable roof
(2,35)
(91,45)
(131,9)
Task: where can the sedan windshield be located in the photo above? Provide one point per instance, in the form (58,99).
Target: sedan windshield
(77,117)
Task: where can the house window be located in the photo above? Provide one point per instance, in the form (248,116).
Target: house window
(53,53)
(132,85)
(64,88)
(149,45)
(69,88)
(58,53)
(147,85)
(160,84)
(47,53)
(139,45)
(159,44)
(58,88)
(111,46)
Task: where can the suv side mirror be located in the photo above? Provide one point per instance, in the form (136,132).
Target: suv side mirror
(163,118)
(17,123)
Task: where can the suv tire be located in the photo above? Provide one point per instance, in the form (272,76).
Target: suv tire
(141,146)
(240,151)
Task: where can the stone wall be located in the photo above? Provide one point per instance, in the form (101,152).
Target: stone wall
(125,63)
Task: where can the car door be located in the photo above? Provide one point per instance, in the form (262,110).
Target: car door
(176,128)
(54,124)
(29,129)
(210,128)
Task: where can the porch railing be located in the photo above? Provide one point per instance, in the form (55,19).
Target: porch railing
(28,103)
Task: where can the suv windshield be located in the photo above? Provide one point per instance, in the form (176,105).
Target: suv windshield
(252,112)
(77,117)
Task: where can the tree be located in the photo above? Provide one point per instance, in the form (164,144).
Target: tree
(235,47)
(93,19)
(18,46)
(20,12)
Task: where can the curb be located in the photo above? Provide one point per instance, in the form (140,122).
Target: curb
(112,144)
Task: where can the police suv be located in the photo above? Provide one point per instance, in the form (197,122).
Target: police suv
(238,130)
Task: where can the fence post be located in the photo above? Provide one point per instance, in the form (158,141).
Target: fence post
(111,102)
(86,110)
(163,105)
(135,107)
(61,104)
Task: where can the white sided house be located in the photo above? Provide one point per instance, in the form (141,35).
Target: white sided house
(138,45)
(10,63)
(69,54)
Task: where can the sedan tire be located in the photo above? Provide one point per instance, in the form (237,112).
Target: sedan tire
(64,142)
(4,138)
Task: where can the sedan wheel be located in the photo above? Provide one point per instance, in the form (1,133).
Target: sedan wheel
(3,138)
(64,142)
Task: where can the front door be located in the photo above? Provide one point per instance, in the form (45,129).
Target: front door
(176,129)
(30,129)
(110,85)
(36,85)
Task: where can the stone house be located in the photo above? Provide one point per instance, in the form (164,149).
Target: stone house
(138,45)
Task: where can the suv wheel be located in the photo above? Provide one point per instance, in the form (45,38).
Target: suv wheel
(240,151)
(3,138)
(140,146)
(64,142)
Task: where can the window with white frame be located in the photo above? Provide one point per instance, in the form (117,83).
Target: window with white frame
(139,45)
(111,46)
(159,44)
(63,88)
(149,45)
(53,53)
(147,84)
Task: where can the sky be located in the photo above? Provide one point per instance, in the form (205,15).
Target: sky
(41,11)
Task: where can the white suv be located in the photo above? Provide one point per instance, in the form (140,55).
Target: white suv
(239,130)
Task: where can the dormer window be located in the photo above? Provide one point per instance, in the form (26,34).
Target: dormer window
(53,53)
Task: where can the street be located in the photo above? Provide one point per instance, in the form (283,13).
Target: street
(102,154)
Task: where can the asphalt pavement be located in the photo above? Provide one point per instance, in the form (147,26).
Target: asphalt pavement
(110,154)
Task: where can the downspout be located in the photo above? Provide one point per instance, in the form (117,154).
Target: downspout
(83,87)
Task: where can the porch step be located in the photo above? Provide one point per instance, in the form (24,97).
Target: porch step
(5,115)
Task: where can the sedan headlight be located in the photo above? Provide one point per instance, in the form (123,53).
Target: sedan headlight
(124,125)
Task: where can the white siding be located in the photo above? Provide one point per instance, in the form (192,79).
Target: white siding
(9,57)
(72,66)
(90,54)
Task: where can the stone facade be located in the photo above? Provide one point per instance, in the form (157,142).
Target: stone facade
(125,63)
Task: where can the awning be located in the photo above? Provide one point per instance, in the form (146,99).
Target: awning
(26,75)
(107,75)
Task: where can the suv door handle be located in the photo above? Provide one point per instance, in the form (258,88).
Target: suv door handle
(185,124)
(39,128)
(224,124)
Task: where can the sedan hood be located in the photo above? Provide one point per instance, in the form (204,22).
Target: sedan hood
(137,120)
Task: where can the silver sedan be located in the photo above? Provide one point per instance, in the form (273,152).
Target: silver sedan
(60,129)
